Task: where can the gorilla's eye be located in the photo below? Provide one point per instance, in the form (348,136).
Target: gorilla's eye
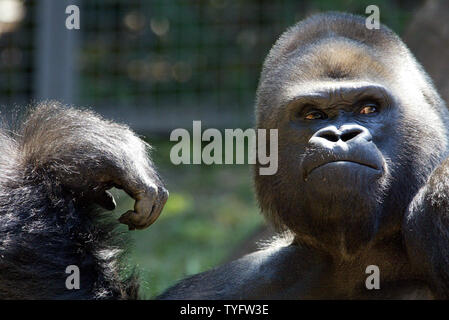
(315,115)
(368,108)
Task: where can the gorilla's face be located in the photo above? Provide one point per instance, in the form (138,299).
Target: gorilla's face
(338,129)
(354,147)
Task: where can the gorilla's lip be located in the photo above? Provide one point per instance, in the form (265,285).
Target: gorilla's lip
(352,161)
(360,163)
(363,155)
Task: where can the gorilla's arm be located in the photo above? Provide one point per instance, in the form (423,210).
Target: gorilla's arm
(53,169)
(426,231)
(280,272)
(88,155)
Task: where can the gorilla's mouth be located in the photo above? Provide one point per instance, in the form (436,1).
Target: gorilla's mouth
(342,163)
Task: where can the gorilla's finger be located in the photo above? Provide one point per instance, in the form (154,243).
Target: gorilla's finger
(147,209)
(162,200)
(106,200)
(126,219)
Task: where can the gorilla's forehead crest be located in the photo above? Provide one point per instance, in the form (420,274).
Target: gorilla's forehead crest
(337,27)
(334,59)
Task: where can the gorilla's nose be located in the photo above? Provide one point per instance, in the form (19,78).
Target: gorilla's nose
(345,133)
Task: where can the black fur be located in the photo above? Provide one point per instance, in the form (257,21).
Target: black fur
(52,171)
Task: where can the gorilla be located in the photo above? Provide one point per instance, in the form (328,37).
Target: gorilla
(362,178)
(55,168)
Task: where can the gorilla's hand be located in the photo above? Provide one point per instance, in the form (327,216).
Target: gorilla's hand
(150,196)
(145,187)
(426,230)
(87,155)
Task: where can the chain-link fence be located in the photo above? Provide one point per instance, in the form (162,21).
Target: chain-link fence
(154,64)
(16,52)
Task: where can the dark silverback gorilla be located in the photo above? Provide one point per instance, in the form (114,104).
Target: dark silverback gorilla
(53,171)
(362,139)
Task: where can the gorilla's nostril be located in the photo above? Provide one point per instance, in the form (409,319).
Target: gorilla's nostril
(329,136)
(350,135)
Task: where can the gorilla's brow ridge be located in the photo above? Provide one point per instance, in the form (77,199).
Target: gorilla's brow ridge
(324,94)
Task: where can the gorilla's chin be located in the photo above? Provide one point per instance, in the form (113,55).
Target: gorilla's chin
(345,228)
(341,204)
(343,179)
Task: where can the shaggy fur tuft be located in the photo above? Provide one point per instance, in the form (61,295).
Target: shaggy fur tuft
(49,168)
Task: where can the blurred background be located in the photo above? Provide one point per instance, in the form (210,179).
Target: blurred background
(157,65)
